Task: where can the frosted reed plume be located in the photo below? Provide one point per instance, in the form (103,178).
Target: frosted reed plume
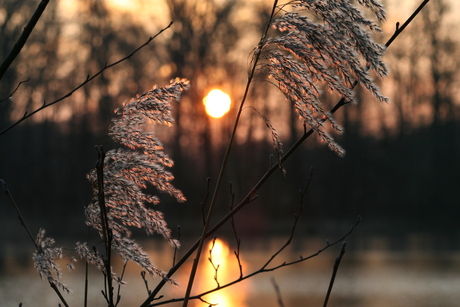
(129,171)
(44,260)
(323,42)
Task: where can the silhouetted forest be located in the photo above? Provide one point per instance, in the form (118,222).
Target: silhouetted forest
(400,172)
(400,186)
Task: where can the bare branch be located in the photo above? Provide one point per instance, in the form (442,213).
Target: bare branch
(278,292)
(146,283)
(88,79)
(23,38)
(16,207)
(14,91)
(399,28)
(203,204)
(106,230)
(175,246)
(334,273)
(120,282)
(235,233)
(214,266)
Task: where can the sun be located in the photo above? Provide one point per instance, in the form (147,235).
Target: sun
(121,5)
(217,103)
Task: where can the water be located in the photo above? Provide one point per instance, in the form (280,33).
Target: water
(371,279)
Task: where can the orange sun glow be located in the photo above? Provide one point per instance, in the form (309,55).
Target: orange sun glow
(217,103)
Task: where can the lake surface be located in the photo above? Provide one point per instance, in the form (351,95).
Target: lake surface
(372,278)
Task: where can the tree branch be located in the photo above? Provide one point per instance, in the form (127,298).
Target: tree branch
(14,91)
(105,227)
(88,79)
(277,292)
(18,212)
(334,273)
(399,29)
(23,38)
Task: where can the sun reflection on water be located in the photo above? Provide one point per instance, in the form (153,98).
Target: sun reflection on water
(224,260)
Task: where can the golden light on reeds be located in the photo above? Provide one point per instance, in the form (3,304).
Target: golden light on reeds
(217,103)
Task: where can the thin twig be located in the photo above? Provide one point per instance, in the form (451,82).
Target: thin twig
(58,293)
(14,91)
(85,301)
(175,246)
(278,292)
(334,273)
(106,230)
(235,233)
(215,267)
(88,79)
(23,38)
(120,281)
(399,28)
(18,212)
(207,303)
(146,283)
(203,204)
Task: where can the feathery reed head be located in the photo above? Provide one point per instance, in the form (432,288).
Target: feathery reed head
(319,43)
(129,171)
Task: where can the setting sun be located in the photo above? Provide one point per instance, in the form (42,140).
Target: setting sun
(121,4)
(217,103)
